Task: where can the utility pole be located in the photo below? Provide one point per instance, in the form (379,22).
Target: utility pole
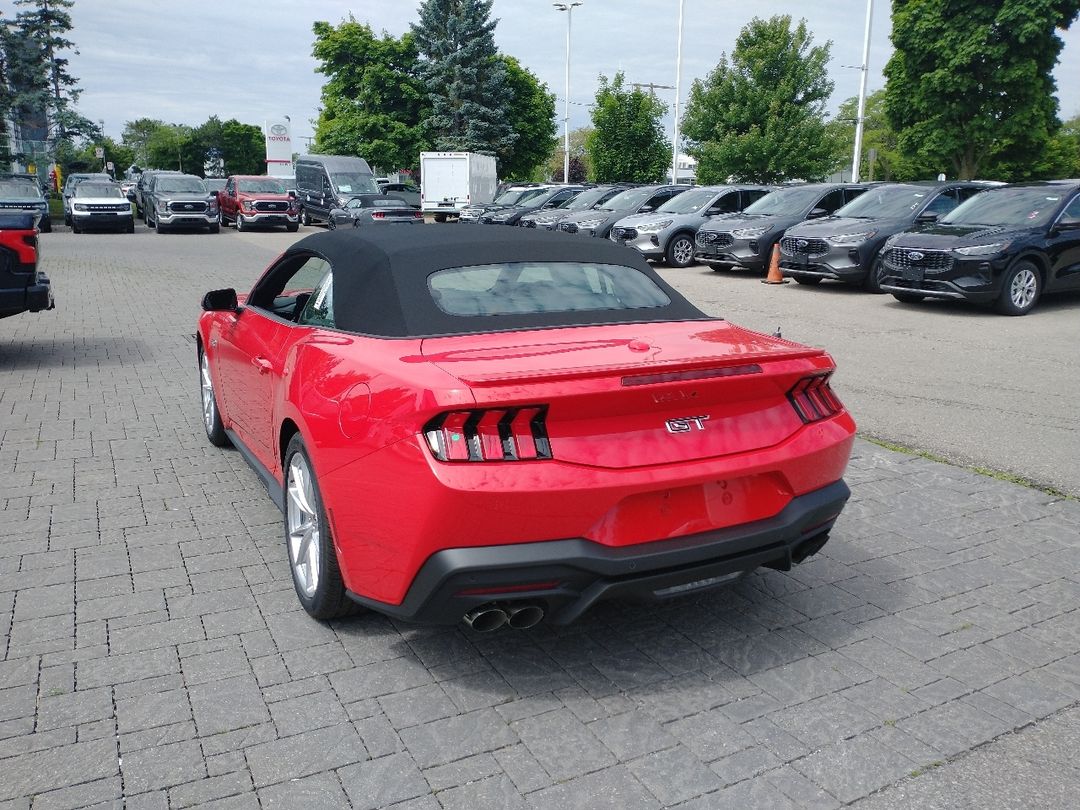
(678,90)
(568,7)
(861,115)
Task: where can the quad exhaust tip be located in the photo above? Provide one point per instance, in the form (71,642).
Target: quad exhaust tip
(490,617)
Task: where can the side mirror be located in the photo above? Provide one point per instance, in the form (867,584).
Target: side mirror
(131,196)
(220,301)
(817,213)
(927,217)
(648,209)
(292,194)
(215,194)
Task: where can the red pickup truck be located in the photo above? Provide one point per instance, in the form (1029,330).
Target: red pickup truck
(22,287)
(249,200)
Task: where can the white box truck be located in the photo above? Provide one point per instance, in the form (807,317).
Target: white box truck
(449,181)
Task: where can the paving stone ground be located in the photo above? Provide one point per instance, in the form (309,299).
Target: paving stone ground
(153,653)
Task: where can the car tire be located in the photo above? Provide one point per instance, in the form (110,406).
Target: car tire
(215,228)
(292,227)
(46,226)
(680,251)
(440,217)
(221,221)
(305,218)
(239,223)
(308,542)
(809,281)
(1020,289)
(75,227)
(908,298)
(130,227)
(872,282)
(215,428)
(331,223)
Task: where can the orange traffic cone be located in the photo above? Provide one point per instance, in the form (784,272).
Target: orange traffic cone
(775,276)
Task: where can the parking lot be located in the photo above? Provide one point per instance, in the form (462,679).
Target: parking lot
(155,655)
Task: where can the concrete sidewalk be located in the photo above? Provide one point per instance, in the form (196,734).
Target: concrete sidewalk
(153,653)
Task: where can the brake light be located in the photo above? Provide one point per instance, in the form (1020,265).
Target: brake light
(813,398)
(417,215)
(495,434)
(378,215)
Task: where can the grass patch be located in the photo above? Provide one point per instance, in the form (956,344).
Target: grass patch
(997,475)
(926,768)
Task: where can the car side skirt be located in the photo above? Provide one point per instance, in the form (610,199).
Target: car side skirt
(573,574)
(275,490)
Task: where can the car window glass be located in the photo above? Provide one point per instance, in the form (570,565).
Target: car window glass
(968,193)
(1072,210)
(277,292)
(319,310)
(942,204)
(659,199)
(728,204)
(851,193)
(543,286)
(831,201)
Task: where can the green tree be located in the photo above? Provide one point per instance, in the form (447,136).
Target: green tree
(85,157)
(465,77)
(43,25)
(760,116)
(878,136)
(374,102)
(137,135)
(531,112)
(969,85)
(578,155)
(627,141)
(165,148)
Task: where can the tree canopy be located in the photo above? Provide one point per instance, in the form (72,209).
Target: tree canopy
(466,79)
(760,115)
(969,86)
(213,147)
(531,113)
(627,141)
(374,102)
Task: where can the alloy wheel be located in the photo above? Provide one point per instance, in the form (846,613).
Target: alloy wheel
(305,534)
(683,252)
(1023,288)
(208,407)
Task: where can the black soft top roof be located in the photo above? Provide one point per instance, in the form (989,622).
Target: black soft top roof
(381,277)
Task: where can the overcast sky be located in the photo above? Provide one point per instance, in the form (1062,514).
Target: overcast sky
(251,59)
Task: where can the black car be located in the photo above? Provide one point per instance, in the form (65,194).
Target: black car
(549,198)
(549,218)
(1005,247)
(598,221)
(843,246)
(372,209)
(746,239)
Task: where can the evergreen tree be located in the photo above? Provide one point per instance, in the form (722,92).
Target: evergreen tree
(42,26)
(465,76)
(627,142)
(970,88)
(760,117)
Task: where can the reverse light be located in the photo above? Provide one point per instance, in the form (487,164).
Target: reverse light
(813,398)
(495,434)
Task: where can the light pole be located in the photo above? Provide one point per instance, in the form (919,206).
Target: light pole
(678,89)
(568,7)
(861,114)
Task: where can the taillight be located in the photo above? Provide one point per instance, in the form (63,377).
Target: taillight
(418,215)
(378,215)
(496,434)
(813,398)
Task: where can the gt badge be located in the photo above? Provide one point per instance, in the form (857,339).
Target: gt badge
(685,424)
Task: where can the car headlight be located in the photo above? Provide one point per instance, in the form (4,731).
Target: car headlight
(589,223)
(850,238)
(653,227)
(892,240)
(80,207)
(750,233)
(982,250)
(501,217)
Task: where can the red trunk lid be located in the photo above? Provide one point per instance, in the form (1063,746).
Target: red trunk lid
(637,395)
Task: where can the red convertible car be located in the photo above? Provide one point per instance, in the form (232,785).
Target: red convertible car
(504,427)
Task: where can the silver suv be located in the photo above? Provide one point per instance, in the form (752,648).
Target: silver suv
(668,232)
(180,201)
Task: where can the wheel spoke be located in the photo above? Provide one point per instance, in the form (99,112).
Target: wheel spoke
(302,521)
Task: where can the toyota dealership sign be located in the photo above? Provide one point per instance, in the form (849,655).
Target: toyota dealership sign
(279,148)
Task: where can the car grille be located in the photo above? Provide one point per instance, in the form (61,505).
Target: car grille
(22,206)
(103,207)
(796,246)
(717,238)
(190,207)
(903,258)
(618,234)
(269,205)
(569,227)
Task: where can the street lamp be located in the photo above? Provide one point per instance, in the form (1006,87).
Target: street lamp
(568,7)
(678,90)
(860,116)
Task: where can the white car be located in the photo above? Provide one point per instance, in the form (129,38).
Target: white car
(97,205)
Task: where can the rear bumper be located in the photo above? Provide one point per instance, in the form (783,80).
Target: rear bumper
(33,298)
(575,574)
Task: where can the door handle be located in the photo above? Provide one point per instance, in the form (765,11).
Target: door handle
(262,364)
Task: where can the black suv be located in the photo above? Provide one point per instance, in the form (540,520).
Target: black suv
(1005,247)
(640,200)
(21,194)
(549,198)
(549,218)
(844,246)
(746,239)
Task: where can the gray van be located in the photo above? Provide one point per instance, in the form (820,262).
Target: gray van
(325,182)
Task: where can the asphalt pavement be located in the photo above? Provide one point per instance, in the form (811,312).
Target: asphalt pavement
(153,654)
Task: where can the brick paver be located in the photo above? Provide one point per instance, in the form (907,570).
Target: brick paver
(153,654)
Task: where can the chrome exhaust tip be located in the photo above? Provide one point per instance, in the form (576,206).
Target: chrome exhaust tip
(522,617)
(485,618)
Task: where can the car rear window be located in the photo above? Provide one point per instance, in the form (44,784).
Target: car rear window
(516,288)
